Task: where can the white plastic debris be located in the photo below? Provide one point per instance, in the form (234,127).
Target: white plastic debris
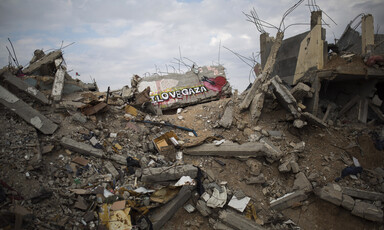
(189,208)
(191,134)
(356,162)
(185,180)
(217,143)
(180,117)
(143,190)
(239,204)
(179,110)
(107,193)
(113,135)
(217,200)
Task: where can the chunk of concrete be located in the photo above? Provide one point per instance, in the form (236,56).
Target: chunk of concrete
(330,194)
(81,147)
(294,166)
(288,200)
(348,202)
(302,183)
(162,215)
(257,106)
(111,169)
(285,97)
(227,118)
(300,91)
(217,225)
(46,60)
(26,112)
(230,149)
(367,211)
(202,207)
(362,194)
(237,221)
(58,84)
(260,179)
(22,85)
(168,173)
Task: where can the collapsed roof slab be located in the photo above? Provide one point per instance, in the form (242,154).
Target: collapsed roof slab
(172,91)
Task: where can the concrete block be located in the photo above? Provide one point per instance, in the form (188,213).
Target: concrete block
(284,97)
(58,84)
(237,221)
(111,169)
(288,200)
(329,194)
(302,183)
(81,147)
(367,211)
(362,194)
(257,106)
(300,91)
(227,118)
(26,112)
(168,173)
(348,202)
(230,149)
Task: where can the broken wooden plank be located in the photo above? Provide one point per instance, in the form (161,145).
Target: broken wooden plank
(26,112)
(314,120)
(230,149)
(162,215)
(377,110)
(81,147)
(363,110)
(58,84)
(349,105)
(49,58)
(329,107)
(238,221)
(22,85)
(168,173)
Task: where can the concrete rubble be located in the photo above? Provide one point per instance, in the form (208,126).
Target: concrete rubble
(180,151)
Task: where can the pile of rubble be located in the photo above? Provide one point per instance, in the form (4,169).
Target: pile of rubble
(181,152)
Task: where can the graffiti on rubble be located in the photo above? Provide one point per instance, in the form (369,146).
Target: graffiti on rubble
(177,93)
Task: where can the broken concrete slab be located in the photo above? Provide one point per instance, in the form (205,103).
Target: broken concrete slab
(288,200)
(300,91)
(330,194)
(95,109)
(81,147)
(168,173)
(161,216)
(284,97)
(367,211)
(302,183)
(257,106)
(174,91)
(34,68)
(111,169)
(217,225)
(26,112)
(22,85)
(348,202)
(362,194)
(58,83)
(230,149)
(227,118)
(260,179)
(252,92)
(237,221)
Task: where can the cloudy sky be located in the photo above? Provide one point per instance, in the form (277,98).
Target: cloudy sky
(118,38)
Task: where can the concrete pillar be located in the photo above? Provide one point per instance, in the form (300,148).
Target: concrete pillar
(367,34)
(266,43)
(315,18)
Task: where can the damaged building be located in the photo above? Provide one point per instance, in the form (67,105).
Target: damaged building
(302,148)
